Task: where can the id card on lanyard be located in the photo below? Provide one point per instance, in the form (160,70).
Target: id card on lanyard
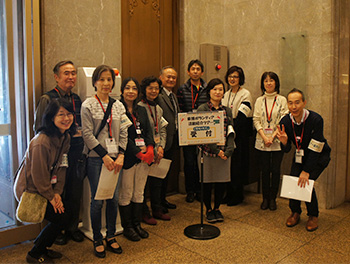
(299,152)
(111,143)
(139,141)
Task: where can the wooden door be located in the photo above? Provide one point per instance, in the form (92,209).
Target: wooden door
(150,38)
(150,41)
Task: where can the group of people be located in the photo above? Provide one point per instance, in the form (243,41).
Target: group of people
(128,135)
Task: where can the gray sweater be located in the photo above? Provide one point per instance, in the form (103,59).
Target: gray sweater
(91,117)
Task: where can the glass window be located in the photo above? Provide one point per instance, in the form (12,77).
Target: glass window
(7,217)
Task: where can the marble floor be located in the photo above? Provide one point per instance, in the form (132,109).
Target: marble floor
(248,235)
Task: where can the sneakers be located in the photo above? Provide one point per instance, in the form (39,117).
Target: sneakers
(219,216)
(211,216)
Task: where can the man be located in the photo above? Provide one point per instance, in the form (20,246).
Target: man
(168,102)
(65,75)
(305,129)
(191,95)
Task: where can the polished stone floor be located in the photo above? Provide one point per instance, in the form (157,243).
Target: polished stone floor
(248,235)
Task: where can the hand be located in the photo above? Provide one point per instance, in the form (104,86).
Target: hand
(118,163)
(267,141)
(160,154)
(108,162)
(303,179)
(57,204)
(282,135)
(143,149)
(222,155)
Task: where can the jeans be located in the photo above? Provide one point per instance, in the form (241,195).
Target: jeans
(94,166)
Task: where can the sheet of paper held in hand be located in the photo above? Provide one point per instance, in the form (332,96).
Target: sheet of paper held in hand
(291,190)
(107,184)
(160,170)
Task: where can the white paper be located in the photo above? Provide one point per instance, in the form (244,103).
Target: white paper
(160,170)
(291,190)
(107,184)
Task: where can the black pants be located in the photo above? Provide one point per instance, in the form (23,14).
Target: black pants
(219,189)
(270,163)
(57,222)
(239,170)
(74,183)
(312,207)
(191,169)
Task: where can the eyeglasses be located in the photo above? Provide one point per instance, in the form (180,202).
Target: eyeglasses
(69,115)
(233,77)
(152,88)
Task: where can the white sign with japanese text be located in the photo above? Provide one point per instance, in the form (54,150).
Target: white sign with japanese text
(197,128)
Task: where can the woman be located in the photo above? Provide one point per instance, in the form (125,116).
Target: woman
(138,155)
(216,157)
(44,172)
(268,111)
(105,144)
(150,91)
(240,101)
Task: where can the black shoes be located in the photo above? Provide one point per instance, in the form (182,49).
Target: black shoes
(117,250)
(272,205)
(168,205)
(53,254)
(211,216)
(265,204)
(219,216)
(99,254)
(131,234)
(42,259)
(62,239)
(190,198)
(141,232)
(76,236)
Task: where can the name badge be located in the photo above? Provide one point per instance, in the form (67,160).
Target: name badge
(268,131)
(64,162)
(140,142)
(54,179)
(299,156)
(111,145)
(157,139)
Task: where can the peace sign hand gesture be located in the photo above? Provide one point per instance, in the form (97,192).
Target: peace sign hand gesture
(282,135)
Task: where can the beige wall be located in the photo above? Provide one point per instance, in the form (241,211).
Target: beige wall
(88,32)
(252,31)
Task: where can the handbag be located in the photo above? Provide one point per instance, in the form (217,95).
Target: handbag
(31,208)
(82,161)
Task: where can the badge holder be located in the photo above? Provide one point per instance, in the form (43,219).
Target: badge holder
(202,231)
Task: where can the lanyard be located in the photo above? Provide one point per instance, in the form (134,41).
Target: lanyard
(136,124)
(268,116)
(195,99)
(155,120)
(229,96)
(109,120)
(301,137)
(73,102)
